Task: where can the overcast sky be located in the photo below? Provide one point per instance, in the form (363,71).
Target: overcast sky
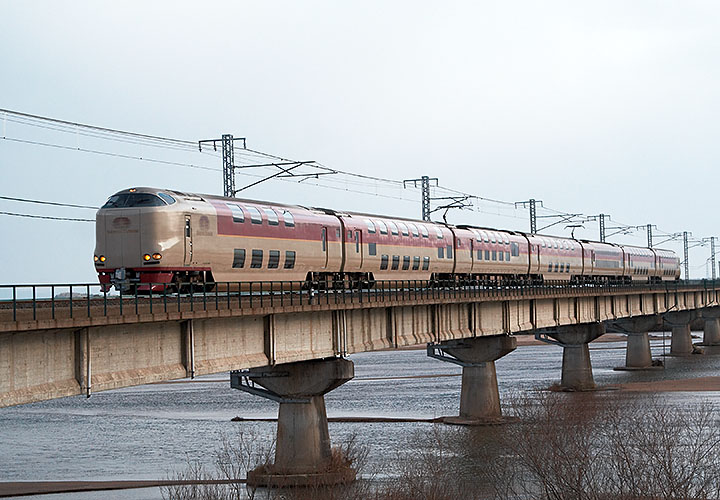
(589,106)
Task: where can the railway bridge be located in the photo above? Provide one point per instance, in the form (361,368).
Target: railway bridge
(290,345)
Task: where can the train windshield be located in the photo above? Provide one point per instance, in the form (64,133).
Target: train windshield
(128,200)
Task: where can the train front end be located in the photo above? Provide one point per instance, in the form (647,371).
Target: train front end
(138,246)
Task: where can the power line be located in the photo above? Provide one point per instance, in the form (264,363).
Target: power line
(107,153)
(46,217)
(40,202)
(94,127)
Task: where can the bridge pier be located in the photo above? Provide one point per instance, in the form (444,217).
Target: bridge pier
(303,456)
(711,334)
(479,395)
(576,367)
(681,342)
(637,355)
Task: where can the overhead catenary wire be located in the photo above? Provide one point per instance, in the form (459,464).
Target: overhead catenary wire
(72,219)
(41,202)
(244,156)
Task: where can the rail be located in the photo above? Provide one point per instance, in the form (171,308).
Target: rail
(86,300)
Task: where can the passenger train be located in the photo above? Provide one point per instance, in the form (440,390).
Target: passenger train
(162,239)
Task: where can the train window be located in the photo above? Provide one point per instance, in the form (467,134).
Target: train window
(255,215)
(567,268)
(486,237)
(257,258)
(441,252)
(167,198)
(487,254)
(514,249)
(502,255)
(550,267)
(393,228)
(384,262)
(449,251)
(479,255)
(556,266)
(383,228)
(289,219)
(416,263)
(424,231)
(237,212)
(562,267)
(507,256)
(238,258)
(406,262)
(439,232)
(426,263)
(272,216)
(273,259)
(507,240)
(494,255)
(414,230)
(404,229)
(289,259)
(372,248)
(370,226)
(395,262)
(492,237)
(128,200)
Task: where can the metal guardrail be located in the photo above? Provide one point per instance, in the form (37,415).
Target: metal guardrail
(85,300)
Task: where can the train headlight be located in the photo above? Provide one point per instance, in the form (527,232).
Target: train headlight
(146,257)
(102,258)
(96,258)
(157,256)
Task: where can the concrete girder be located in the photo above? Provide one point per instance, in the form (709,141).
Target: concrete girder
(302,450)
(479,395)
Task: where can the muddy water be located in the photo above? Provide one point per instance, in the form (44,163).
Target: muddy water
(148,432)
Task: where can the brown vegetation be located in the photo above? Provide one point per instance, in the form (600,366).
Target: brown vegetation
(596,446)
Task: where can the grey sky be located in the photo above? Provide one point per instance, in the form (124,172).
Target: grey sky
(590,106)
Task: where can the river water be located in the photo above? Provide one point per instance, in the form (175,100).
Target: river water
(148,432)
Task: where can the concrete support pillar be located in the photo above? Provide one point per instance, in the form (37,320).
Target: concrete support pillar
(681,343)
(711,335)
(302,450)
(576,367)
(479,395)
(638,353)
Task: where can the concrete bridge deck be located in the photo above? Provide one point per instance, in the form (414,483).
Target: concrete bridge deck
(54,347)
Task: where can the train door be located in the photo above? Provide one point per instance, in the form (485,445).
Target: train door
(188,242)
(359,248)
(324,238)
(472,254)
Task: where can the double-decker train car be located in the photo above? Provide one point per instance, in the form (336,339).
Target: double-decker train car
(164,239)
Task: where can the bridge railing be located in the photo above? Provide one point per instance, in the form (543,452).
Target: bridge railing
(85,300)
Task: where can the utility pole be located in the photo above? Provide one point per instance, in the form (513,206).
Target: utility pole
(531,203)
(601,222)
(685,248)
(228,157)
(425,188)
(712,256)
(649,235)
